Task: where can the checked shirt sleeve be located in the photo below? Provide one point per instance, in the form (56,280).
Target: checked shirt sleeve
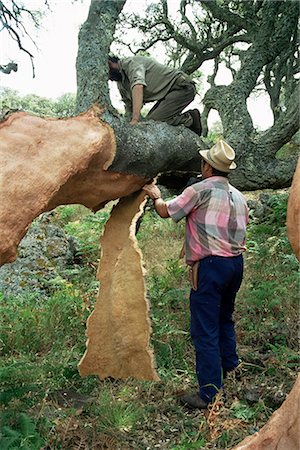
(182,205)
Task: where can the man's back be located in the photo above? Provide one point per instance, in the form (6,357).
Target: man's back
(142,80)
(217,216)
(156,78)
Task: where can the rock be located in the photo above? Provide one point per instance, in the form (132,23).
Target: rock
(68,398)
(252,394)
(257,210)
(44,253)
(264,198)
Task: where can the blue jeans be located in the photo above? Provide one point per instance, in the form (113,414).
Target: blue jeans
(212,327)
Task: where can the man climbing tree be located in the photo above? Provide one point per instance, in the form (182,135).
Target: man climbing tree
(141,80)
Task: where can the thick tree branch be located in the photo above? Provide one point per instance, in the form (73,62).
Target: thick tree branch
(225,15)
(170,148)
(204,118)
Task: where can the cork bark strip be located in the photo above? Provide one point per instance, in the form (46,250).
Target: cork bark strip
(118,330)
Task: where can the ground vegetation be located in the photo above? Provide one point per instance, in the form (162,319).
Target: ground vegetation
(44,402)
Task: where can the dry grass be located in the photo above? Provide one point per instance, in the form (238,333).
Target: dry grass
(160,242)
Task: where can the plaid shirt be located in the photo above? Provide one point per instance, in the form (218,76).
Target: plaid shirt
(216,218)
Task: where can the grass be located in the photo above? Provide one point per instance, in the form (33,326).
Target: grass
(42,342)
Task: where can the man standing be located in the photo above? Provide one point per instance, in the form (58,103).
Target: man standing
(141,80)
(216,217)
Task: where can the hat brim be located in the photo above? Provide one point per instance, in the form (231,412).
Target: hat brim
(220,167)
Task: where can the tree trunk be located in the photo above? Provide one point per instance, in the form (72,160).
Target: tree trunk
(94,40)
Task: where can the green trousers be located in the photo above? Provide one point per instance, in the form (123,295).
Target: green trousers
(169,108)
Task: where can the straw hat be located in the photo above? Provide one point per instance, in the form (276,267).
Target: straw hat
(220,156)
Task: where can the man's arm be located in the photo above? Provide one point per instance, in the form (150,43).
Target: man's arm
(127,101)
(137,102)
(159,204)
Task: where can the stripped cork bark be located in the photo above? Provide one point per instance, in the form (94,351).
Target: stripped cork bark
(119,328)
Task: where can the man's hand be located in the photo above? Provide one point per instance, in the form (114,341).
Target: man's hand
(134,121)
(152,190)
(155,194)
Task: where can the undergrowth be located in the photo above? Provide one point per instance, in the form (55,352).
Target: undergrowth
(45,404)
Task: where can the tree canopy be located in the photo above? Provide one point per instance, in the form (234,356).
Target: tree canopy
(64,106)
(256,40)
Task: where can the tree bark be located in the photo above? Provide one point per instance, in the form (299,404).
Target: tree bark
(75,160)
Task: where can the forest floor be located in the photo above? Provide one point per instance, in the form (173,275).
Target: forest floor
(45,404)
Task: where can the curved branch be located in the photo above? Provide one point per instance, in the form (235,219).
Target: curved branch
(185,19)
(231,105)
(284,128)
(150,44)
(218,45)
